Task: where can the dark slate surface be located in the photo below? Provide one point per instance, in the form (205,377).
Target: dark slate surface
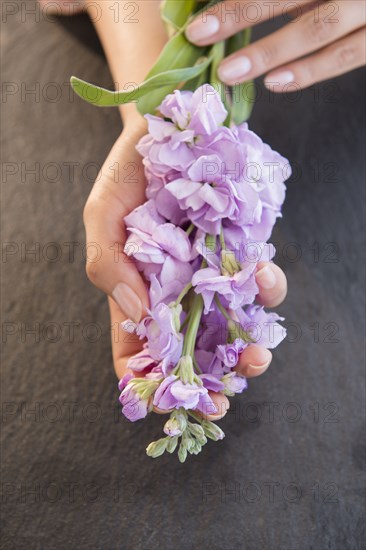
(289,473)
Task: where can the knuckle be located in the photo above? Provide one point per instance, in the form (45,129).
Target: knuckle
(345,55)
(93,272)
(318,30)
(308,73)
(267,54)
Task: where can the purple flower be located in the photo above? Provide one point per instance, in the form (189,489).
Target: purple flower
(173,394)
(209,196)
(211,382)
(200,112)
(161,328)
(133,407)
(234,383)
(165,204)
(267,168)
(136,393)
(141,361)
(214,194)
(229,353)
(161,157)
(262,326)
(212,332)
(237,289)
(266,171)
(187,117)
(173,278)
(210,364)
(151,241)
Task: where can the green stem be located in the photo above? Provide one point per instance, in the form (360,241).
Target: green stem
(222,309)
(193,326)
(185,323)
(190,229)
(222,240)
(195,364)
(185,291)
(195,416)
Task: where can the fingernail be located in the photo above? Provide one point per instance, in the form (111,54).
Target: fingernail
(281,78)
(128,301)
(256,370)
(234,69)
(266,278)
(200,30)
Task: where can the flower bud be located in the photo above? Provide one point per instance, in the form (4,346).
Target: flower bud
(185,369)
(172,444)
(177,310)
(144,387)
(187,440)
(157,448)
(196,430)
(182,453)
(212,430)
(234,383)
(176,424)
(196,448)
(229,264)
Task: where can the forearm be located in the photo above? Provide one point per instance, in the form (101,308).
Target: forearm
(131,47)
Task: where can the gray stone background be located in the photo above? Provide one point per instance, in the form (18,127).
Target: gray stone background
(288,475)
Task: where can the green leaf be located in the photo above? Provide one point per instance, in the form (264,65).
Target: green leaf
(106,98)
(242,94)
(218,52)
(243,102)
(178,53)
(177,12)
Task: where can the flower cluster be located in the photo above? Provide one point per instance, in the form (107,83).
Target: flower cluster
(214,192)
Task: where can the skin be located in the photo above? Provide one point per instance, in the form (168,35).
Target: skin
(325,39)
(131,50)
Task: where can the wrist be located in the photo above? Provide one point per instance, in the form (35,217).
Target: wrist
(134,124)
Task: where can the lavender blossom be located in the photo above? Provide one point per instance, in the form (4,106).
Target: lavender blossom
(214,194)
(173,394)
(229,353)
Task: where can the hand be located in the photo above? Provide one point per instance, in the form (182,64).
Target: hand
(119,188)
(325,40)
(115,193)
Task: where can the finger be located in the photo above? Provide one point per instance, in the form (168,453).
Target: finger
(343,56)
(218,410)
(213,412)
(309,33)
(272,284)
(113,196)
(124,344)
(225,19)
(254,361)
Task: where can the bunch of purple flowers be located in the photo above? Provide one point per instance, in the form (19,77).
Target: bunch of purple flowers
(214,192)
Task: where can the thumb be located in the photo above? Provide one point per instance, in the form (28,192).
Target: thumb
(107,266)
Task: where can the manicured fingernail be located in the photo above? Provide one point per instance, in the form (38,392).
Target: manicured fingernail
(266,278)
(281,78)
(256,370)
(234,69)
(200,30)
(128,301)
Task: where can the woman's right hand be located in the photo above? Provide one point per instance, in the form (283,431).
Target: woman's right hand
(119,188)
